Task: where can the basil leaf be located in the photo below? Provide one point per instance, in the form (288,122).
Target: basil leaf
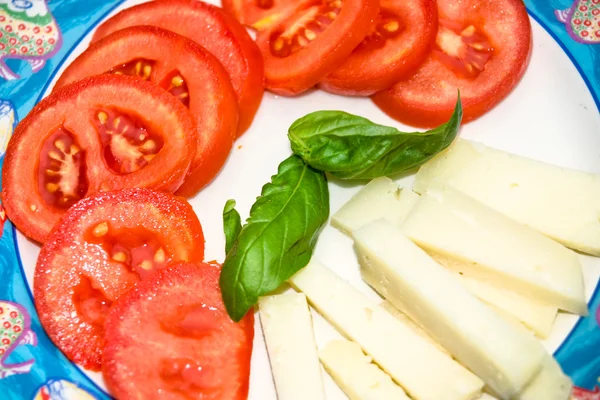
(232,224)
(351,147)
(278,238)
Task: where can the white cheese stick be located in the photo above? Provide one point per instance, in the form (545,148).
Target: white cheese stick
(561,203)
(550,383)
(380,198)
(401,315)
(504,357)
(538,317)
(287,326)
(493,247)
(356,375)
(411,361)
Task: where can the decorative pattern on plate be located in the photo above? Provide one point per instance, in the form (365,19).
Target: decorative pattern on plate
(15,331)
(29,32)
(582,20)
(62,390)
(583,394)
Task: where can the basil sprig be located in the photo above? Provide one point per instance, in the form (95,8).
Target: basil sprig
(278,238)
(351,147)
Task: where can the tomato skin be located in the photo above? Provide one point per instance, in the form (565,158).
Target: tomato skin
(212,99)
(73,254)
(427,98)
(141,339)
(20,195)
(367,71)
(303,69)
(213,29)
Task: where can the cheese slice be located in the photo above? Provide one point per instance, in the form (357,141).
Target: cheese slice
(287,327)
(550,384)
(561,203)
(356,375)
(538,317)
(504,357)
(401,315)
(492,247)
(380,198)
(412,361)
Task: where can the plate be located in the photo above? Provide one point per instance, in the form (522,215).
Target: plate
(552,116)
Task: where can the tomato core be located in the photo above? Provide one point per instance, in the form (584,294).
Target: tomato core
(128,145)
(304,27)
(195,321)
(175,84)
(91,304)
(141,68)
(387,25)
(464,50)
(186,376)
(137,248)
(62,170)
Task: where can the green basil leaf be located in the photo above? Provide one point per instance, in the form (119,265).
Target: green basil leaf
(232,224)
(351,147)
(278,238)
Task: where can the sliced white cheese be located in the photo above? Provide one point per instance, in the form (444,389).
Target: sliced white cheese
(550,383)
(504,357)
(412,361)
(287,327)
(380,198)
(496,248)
(536,316)
(401,315)
(561,203)
(356,375)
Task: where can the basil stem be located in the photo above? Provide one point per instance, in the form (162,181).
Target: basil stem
(351,147)
(278,238)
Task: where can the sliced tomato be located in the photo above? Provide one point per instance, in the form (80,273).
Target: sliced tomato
(482,48)
(103,245)
(305,47)
(402,36)
(187,71)
(263,14)
(101,133)
(170,337)
(212,28)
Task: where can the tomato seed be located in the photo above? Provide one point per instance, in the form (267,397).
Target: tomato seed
(101,229)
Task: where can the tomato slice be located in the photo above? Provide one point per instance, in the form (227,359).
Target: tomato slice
(302,49)
(212,28)
(98,134)
(482,48)
(170,337)
(402,36)
(103,245)
(263,14)
(188,71)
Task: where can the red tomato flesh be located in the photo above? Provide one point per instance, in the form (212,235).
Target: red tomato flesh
(170,337)
(482,48)
(402,36)
(101,133)
(304,48)
(100,249)
(213,29)
(263,14)
(187,71)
